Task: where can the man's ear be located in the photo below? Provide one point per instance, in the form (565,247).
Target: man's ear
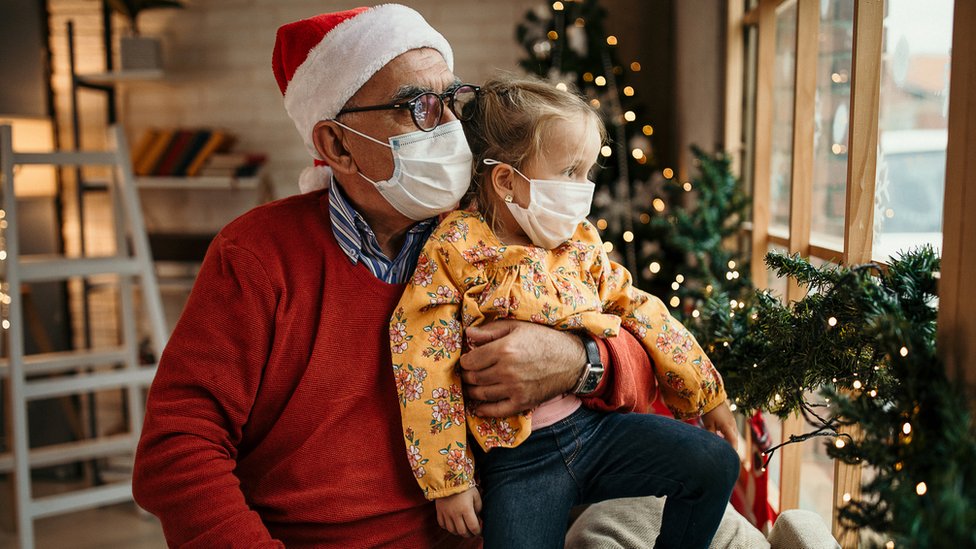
(327,138)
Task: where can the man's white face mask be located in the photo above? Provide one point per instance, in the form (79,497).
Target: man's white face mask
(431,170)
(555,209)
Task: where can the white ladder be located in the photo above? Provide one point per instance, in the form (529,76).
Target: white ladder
(71,372)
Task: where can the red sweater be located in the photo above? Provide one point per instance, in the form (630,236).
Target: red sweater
(273,418)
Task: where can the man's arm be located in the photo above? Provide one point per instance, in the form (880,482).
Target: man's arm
(199,401)
(514,366)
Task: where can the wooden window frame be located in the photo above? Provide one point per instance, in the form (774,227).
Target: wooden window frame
(957,315)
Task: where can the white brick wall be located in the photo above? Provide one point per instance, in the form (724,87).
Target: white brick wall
(218,66)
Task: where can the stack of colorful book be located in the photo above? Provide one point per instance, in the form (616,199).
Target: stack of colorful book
(181,152)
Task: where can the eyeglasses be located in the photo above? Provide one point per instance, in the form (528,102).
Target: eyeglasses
(427,109)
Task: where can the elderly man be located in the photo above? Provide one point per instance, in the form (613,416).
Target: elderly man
(273,419)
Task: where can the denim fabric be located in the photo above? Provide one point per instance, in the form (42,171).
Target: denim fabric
(528,491)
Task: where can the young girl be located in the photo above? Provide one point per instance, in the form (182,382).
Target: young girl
(524,251)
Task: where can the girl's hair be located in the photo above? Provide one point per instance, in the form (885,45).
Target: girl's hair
(510,123)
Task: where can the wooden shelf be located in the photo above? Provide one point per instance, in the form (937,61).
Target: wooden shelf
(103,78)
(199,183)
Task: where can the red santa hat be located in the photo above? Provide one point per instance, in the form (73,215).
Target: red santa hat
(322,61)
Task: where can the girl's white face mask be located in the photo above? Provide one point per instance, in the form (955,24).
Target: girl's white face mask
(431,170)
(555,209)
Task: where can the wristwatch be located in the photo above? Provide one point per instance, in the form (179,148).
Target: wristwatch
(592,370)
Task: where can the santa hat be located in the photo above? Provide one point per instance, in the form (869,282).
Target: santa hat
(322,61)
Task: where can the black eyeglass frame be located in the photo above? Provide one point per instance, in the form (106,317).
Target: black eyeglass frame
(447,99)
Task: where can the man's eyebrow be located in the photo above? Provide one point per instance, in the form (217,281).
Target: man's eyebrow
(409,91)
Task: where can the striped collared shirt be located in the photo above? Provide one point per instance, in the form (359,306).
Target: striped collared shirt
(358,241)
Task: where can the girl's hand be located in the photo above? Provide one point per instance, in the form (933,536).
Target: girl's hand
(721,422)
(458,514)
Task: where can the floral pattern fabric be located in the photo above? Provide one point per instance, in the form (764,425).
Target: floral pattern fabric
(466,277)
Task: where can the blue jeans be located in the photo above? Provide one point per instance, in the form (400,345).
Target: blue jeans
(528,491)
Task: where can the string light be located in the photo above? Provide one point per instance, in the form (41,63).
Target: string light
(906,428)
(645,219)
(600,81)
(695,314)
(903,351)
(675,285)
(686,187)
(5,324)
(658,204)
(628,236)
(733,407)
(839,443)
(890,545)
(668,173)
(708,289)
(611,40)
(608,247)
(654,267)
(587,77)
(561,86)
(679,278)
(557,6)
(580,22)
(601,224)
(628,91)
(637,154)
(606,151)
(553,35)
(675,301)
(873,393)
(635,66)
(857,384)
(595,103)
(831,321)
(630,116)
(648,130)
(847,497)
(921,488)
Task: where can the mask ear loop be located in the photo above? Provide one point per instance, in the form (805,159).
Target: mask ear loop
(493,162)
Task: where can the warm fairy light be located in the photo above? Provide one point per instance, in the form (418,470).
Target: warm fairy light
(889,213)
(728,275)
(637,154)
(587,77)
(580,22)
(611,40)
(679,279)
(708,289)
(733,407)
(606,151)
(629,91)
(890,545)
(857,384)
(838,148)
(668,173)
(628,236)
(648,129)
(733,304)
(831,321)
(754,365)
(601,224)
(777,398)
(654,267)
(3,255)
(557,6)
(906,428)
(695,314)
(642,160)
(847,497)
(553,35)
(600,81)
(903,351)
(873,393)
(921,488)
(686,187)
(839,443)
(658,205)
(561,86)
(608,247)
(630,116)
(675,286)
(675,301)
(635,66)
(645,219)
(725,344)
(5,324)
(595,103)
(735,274)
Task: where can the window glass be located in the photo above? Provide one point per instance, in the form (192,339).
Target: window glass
(832,119)
(912,126)
(783,74)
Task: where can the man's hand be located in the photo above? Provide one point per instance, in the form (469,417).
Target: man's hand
(513,366)
(721,422)
(458,514)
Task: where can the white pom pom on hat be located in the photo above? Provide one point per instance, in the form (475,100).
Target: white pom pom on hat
(322,61)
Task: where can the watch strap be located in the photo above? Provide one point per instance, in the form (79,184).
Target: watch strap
(593,369)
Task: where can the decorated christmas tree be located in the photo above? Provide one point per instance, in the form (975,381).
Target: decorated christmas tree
(566,42)
(864,339)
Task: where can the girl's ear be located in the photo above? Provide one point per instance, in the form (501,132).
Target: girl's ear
(502,179)
(327,138)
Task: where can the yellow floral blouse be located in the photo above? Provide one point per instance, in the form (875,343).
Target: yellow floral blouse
(466,277)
